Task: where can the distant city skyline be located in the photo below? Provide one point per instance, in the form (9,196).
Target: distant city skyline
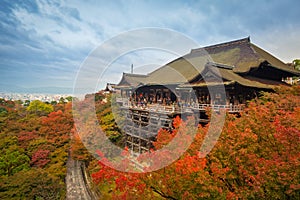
(35,96)
(43,43)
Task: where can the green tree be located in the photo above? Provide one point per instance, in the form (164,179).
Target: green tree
(3,111)
(39,107)
(53,103)
(12,162)
(32,184)
(62,100)
(12,159)
(296,64)
(69,98)
(27,102)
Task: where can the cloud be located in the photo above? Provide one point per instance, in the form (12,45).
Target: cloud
(283,44)
(61,26)
(41,40)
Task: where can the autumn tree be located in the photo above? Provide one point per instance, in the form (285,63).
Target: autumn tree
(32,184)
(257,156)
(12,158)
(39,107)
(34,145)
(56,127)
(40,158)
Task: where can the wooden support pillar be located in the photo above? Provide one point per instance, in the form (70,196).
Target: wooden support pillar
(132,142)
(140,131)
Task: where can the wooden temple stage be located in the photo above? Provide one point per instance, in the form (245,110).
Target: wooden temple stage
(143,123)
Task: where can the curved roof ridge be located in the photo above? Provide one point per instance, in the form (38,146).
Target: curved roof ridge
(220,65)
(134,75)
(224,44)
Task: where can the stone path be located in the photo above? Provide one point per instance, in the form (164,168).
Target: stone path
(76,185)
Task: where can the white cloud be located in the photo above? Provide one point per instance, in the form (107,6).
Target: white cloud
(60,27)
(56,36)
(282,43)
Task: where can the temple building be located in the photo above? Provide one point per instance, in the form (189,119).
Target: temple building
(222,76)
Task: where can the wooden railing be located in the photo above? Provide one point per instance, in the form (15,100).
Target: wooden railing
(189,108)
(229,108)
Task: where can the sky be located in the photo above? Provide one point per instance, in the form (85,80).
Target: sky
(45,43)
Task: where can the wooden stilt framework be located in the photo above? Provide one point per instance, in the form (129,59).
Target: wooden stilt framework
(141,128)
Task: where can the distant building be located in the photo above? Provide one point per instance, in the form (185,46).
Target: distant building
(110,88)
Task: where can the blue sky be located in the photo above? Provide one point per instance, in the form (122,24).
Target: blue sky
(43,43)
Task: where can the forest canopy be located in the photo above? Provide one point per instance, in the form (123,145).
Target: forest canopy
(257,155)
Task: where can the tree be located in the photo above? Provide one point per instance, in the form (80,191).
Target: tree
(40,158)
(296,64)
(3,111)
(62,100)
(69,98)
(78,150)
(256,157)
(53,103)
(56,127)
(33,150)
(12,159)
(32,184)
(26,103)
(39,107)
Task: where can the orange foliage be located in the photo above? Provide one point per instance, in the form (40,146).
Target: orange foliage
(257,156)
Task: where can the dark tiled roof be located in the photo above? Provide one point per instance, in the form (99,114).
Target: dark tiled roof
(132,80)
(265,81)
(226,76)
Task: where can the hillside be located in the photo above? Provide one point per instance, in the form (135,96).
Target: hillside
(257,155)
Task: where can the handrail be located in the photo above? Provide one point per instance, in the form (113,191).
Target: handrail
(189,108)
(230,108)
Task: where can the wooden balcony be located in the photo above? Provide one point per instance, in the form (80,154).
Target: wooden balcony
(125,103)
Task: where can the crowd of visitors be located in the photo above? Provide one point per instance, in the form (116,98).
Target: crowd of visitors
(142,100)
